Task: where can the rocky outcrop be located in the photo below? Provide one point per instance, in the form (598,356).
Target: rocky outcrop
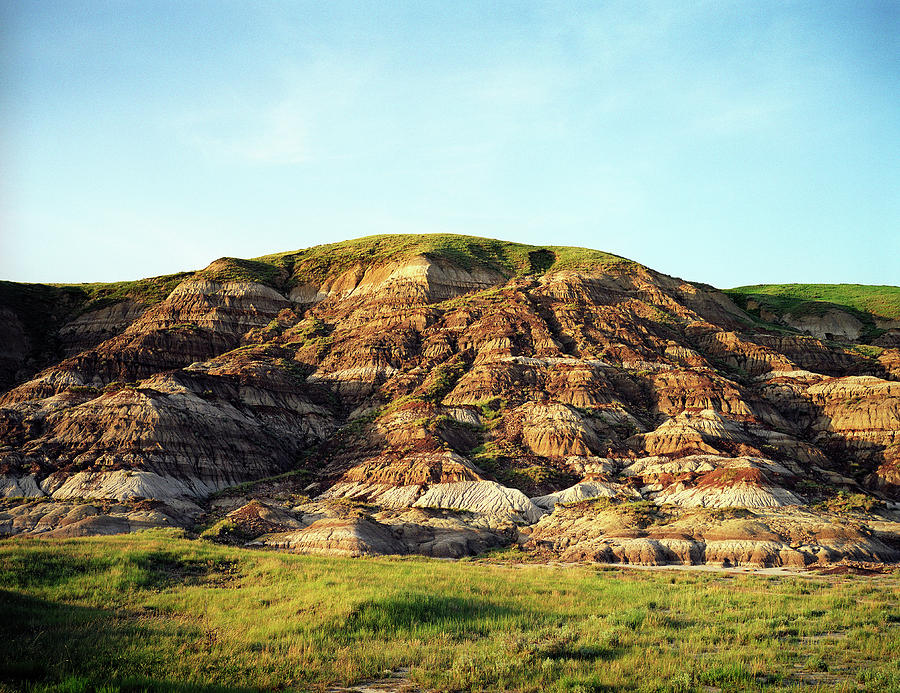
(582,491)
(745,488)
(714,481)
(554,430)
(417,279)
(23,486)
(485,497)
(399,483)
(198,320)
(831,324)
(93,327)
(63,520)
(654,535)
(353,531)
(228,308)
(437,386)
(189,438)
(125,485)
(353,536)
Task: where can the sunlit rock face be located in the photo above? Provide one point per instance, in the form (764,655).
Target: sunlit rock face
(759,537)
(457,382)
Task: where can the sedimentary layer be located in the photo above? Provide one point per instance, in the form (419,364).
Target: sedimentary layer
(496,385)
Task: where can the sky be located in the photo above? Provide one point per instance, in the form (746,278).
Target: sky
(724,142)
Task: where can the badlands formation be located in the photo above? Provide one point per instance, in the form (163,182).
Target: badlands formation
(447,395)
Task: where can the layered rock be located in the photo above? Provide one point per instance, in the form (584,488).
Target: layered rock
(485,497)
(198,320)
(400,483)
(354,536)
(652,535)
(418,279)
(585,490)
(63,520)
(93,327)
(457,377)
(353,530)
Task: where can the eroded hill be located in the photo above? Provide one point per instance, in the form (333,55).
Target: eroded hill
(445,395)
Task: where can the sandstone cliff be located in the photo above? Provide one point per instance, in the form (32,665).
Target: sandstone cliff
(452,391)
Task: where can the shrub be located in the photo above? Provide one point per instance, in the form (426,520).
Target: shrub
(844,503)
(491,408)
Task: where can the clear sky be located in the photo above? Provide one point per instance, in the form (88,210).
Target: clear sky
(729,143)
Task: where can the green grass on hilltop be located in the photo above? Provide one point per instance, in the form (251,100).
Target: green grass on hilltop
(154,611)
(148,291)
(44,308)
(815,299)
(284,270)
(233,269)
(469,252)
(79,298)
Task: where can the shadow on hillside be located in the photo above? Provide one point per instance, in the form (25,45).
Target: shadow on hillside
(54,646)
(49,567)
(425,613)
(43,567)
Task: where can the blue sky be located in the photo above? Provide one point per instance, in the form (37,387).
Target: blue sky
(729,143)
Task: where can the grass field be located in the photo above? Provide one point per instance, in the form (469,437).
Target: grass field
(155,611)
(803,299)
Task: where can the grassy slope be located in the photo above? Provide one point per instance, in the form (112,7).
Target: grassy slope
(153,611)
(815,299)
(83,297)
(34,302)
(510,259)
(283,270)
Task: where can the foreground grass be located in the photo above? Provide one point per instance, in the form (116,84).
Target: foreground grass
(155,611)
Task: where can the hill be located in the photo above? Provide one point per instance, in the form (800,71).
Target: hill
(446,395)
(851,310)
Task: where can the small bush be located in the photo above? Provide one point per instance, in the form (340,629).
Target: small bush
(844,503)
(442,380)
(816,663)
(492,408)
(222,528)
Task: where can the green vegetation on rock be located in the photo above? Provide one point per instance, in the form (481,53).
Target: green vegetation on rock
(442,380)
(469,252)
(233,269)
(844,503)
(147,291)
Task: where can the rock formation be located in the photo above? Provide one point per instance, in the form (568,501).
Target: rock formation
(445,395)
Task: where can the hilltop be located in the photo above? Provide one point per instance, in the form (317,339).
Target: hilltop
(43,309)
(445,395)
(855,311)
